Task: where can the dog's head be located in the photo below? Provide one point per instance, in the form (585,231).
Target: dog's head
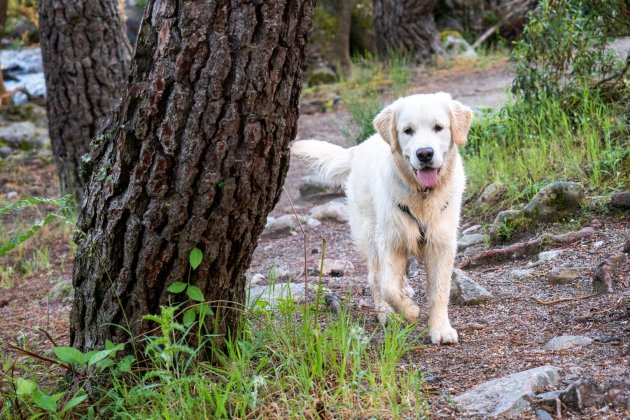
(423,130)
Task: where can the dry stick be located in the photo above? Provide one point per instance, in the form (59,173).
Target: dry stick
(304,237)
(522,249)
(565,299)
(40,357)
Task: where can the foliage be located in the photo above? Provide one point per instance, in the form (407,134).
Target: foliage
(64,205)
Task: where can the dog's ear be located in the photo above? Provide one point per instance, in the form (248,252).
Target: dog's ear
(385,125)
(461,117)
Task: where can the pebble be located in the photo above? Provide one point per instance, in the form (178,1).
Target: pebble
(599,244)
(521,274)
(565,342)
(563,275)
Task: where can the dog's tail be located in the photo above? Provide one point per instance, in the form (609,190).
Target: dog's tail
(331,161)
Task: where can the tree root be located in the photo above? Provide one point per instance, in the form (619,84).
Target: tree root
(522,249)
(565,299)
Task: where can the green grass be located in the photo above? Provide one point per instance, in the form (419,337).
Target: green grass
(289,362)
(528,144)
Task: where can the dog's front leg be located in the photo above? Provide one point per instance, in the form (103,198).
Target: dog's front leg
(393,282)
(439,259)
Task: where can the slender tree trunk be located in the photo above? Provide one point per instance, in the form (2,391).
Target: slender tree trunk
(86,59)
(341,47)
(4,4)
(406,26)
(195,156)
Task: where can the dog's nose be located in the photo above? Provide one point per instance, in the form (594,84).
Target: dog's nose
(425,154)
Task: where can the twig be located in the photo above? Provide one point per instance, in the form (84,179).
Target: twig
(48,335)
(565,299)
(521,249)
(305,242)
(616,76)
(40,357)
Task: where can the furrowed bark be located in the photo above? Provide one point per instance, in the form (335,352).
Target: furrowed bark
(195,156)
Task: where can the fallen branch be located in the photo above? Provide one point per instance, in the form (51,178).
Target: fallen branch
(522,249)
(565,299)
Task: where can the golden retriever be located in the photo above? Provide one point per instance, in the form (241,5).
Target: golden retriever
(404,186)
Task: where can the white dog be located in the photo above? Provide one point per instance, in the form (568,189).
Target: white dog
(404,187)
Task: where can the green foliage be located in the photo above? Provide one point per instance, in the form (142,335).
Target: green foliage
(65,206)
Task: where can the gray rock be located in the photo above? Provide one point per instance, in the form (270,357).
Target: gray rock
(6,151)
(563,275)
(545,256)
(286,225)
(334,268)
(505,216)
(318,102)
(312,187)
(599,244)
(23,135)
(620,200)
(564,342)
(334,210)
(282,275)
(543,415)
(493,193)
(322,76)
(556,200)
(457,46)
(473,239)
(257,279)
(274,292)
(507,396)
(471,229)
(333,302)
(12,195)
(521,274)
(465,291)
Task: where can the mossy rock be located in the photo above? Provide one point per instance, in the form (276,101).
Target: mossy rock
(322,76)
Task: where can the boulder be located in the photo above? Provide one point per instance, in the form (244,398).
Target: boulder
(336,211)
(465,291)
(23,135)
(555,201)
(465,241)
(286,225)
(563,275)
(620,200)
(565,342)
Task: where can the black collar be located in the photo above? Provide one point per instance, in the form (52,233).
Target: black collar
(422,229)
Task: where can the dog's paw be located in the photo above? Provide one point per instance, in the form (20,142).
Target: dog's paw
(384,313)
(443,335)
(412,312)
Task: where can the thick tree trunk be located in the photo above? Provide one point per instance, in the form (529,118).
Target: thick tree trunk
(406,26)
(195,156)
(86,59)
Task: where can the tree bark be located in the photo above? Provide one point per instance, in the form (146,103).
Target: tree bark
(195,156)
(4,4)
(341,47)
(86,59)
(407,27)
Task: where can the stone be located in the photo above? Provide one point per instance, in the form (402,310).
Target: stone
(504,217)
(333,302)
(281,274)
(507,396)
(599,244)
(312,187)
(521,274)
(471,229)
(257,279)
(565,342)
(466,241)
(274,292)
(334,268)
(319,102)
(6,151)
(543,415)
(493,193)
(286,225)
(555,201)
(563,275)
(620,200)
(23,135)
(547,256)
(336,211)
(12,196)
(454,45)
(465,291)
(322,76)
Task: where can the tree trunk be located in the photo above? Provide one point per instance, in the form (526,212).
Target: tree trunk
(86,59)
(4,4)
(195,156)
(407,27)
(341,47)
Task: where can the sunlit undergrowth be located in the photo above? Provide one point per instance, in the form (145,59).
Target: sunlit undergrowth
(287,362)
(528,144)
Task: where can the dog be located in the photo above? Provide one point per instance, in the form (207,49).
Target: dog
(404,186)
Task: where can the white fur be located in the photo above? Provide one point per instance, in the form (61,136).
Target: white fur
(378,177)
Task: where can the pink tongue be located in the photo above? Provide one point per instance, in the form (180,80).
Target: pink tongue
(427,177)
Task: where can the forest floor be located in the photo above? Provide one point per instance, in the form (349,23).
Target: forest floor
(497,338)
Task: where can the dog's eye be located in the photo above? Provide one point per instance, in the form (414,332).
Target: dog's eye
(437,128)
(408,131)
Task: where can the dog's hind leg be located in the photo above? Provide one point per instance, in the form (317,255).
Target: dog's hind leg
(438,259)
(394,284)
(382,308)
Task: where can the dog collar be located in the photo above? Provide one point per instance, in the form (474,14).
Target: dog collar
(422,229)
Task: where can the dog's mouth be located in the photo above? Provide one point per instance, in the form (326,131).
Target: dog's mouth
(427,177)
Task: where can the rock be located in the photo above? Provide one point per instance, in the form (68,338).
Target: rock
(257,279)
(333,302)
(543,415)
(465,291)
(471,229)
(334,210)
(454,45)
(504,217)
(599,244)
(507,396)
(282,275)
(563,275)
(322,76)
(620,200)
(555,201)
(473,239)
(312,187)
(521,274)
(545,256)
(318,102)
(334,268)
(286,225)
(274,292)
(6,151)
(603,275)
(23,135)
(493,193)
(565,342)
(12,196)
